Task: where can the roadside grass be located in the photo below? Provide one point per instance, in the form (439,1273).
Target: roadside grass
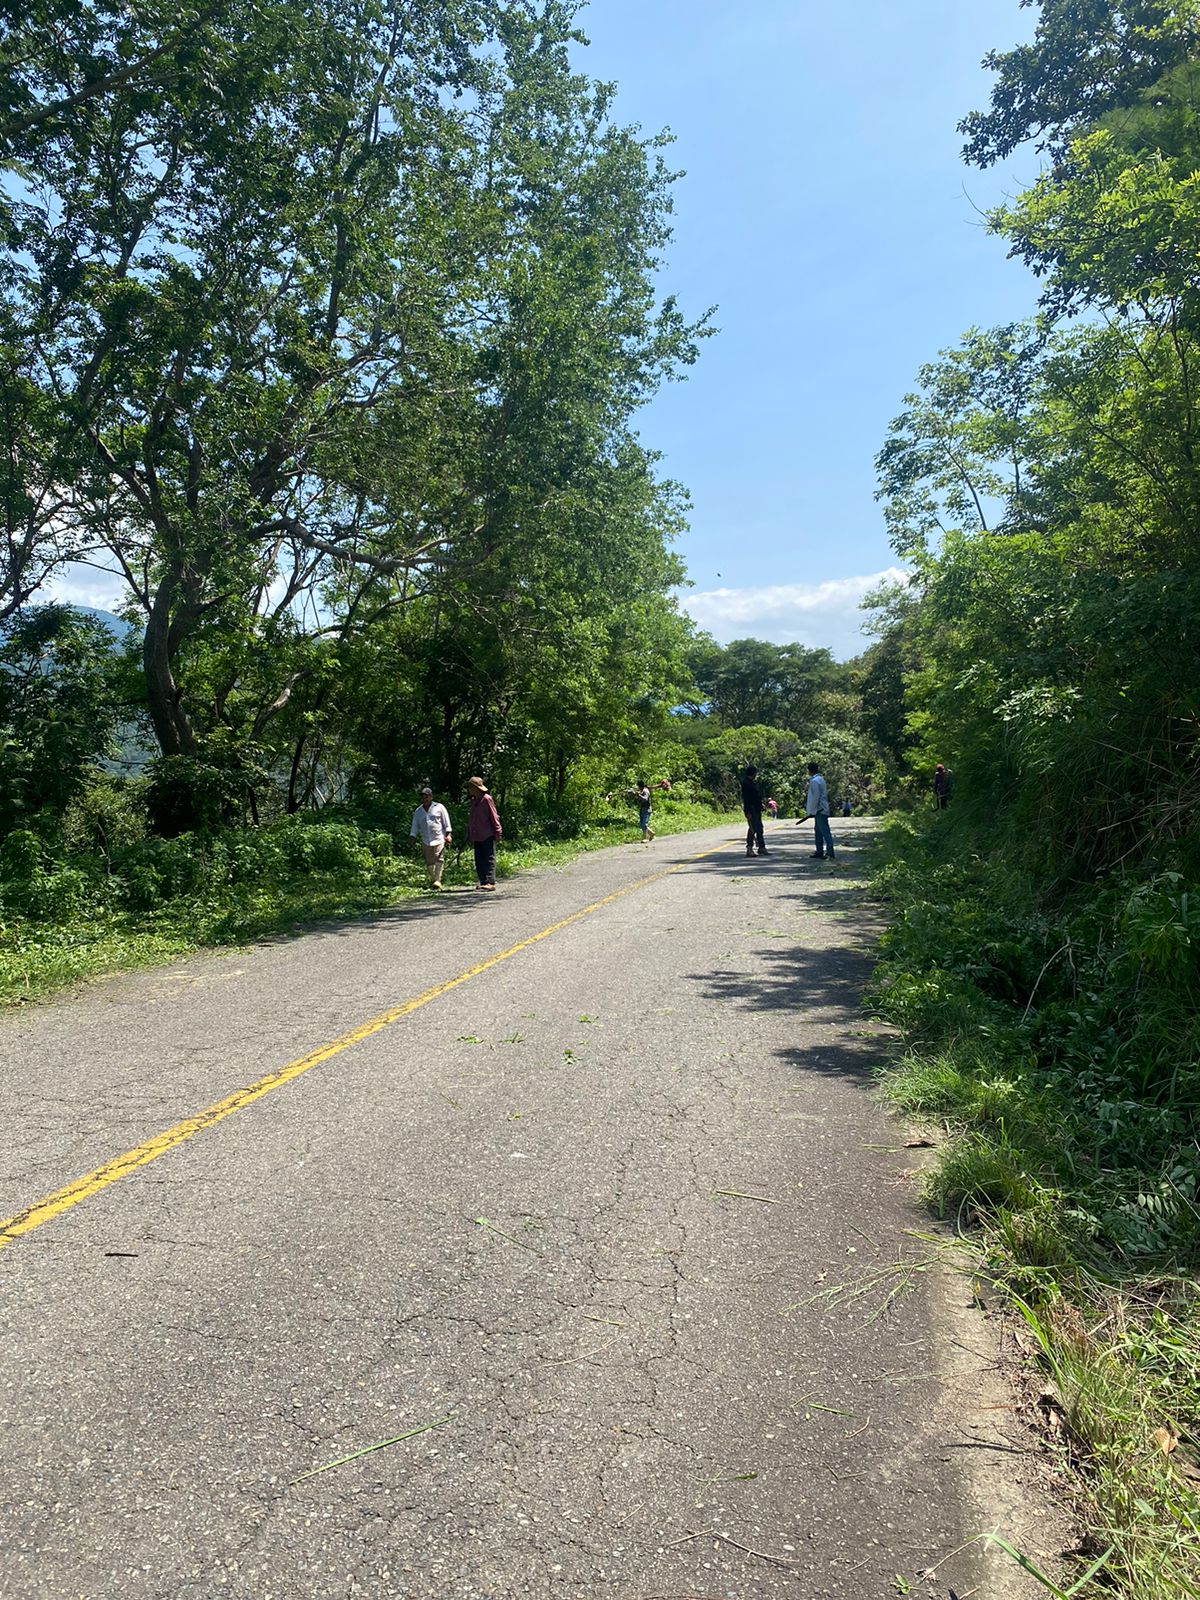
(1066,1093)
(64,922)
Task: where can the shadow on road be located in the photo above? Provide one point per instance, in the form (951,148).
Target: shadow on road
(819,972)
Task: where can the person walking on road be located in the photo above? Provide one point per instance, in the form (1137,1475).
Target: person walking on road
(773,808)
(645,810)
(752,805)
(483,829)
(431,825)
(816,806)
(941,787)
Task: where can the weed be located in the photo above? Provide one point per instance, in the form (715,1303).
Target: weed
(1055,1039)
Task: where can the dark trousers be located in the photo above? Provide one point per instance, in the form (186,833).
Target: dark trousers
(485,860)
(754,831)
(824,838)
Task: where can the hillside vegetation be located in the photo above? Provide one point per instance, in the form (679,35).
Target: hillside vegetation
(1044,962)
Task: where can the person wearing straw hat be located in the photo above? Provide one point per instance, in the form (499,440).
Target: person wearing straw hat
(483,829)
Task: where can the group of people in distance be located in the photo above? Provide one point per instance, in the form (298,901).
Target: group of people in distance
(432,826)
(431,821)
(816,806)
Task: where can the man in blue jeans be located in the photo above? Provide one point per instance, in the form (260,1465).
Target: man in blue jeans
(816,805)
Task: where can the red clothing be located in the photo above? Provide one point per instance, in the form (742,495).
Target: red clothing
(483,820)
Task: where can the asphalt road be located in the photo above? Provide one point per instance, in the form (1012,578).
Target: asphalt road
(617,1213)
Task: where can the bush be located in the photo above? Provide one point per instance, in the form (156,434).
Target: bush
(1064,1029)
(21,855)
(324,847)
(160,869)
(59,896)
(185,794)
(107,814)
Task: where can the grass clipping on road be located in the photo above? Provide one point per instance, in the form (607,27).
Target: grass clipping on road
(1067,1164)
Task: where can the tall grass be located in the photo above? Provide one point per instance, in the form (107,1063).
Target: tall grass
(1054,1037)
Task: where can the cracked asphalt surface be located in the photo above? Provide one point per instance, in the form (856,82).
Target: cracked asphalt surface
(622,1209)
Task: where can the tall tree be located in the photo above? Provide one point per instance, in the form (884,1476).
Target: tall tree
(326,339)
(1110,91)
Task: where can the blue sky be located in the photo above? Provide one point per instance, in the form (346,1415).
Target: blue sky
(827,211)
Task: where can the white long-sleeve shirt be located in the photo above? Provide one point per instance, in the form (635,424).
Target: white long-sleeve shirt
(432,826)
(816,800)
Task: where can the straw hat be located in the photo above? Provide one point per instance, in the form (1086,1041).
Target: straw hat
(476,783)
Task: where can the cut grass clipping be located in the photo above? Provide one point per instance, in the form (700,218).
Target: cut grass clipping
(384,1444)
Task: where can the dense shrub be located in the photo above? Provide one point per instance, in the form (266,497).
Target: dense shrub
(1084,1002)
(185,794)
(106,814)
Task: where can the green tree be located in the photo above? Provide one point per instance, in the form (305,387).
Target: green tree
(59,709)
(753,682)
(1110,90)
(725,756)
(366,327)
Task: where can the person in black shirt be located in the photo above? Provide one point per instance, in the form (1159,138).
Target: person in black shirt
(752,805)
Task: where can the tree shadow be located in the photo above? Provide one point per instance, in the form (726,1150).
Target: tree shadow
(819,984)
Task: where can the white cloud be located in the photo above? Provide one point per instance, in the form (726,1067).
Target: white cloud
(825,615)
(815,614)
(78,584)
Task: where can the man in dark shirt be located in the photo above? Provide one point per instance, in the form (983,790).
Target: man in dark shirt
(752,805)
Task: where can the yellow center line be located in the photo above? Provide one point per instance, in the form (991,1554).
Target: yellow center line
(93,1182)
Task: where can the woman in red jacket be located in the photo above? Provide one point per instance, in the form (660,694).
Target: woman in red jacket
(483,829)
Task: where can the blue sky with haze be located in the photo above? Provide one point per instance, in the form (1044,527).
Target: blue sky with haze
(828,214)
(827,211)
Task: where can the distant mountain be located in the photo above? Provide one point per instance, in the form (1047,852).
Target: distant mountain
(120,630)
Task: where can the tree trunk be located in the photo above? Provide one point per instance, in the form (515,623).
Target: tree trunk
(172,726)
(293,799)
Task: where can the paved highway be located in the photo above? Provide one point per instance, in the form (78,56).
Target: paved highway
(582,1180)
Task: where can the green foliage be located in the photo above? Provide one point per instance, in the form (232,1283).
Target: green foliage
(1029,1012)
(850,765)
(105,815)
(186,793)
(753,683)
(1056,1040)
(354,328)
(1044,958)
(725,756)
(340,367)
(22,854)
(1088,59)
(58,713)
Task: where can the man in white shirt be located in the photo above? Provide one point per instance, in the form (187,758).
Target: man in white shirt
(431,824)
(816,805)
